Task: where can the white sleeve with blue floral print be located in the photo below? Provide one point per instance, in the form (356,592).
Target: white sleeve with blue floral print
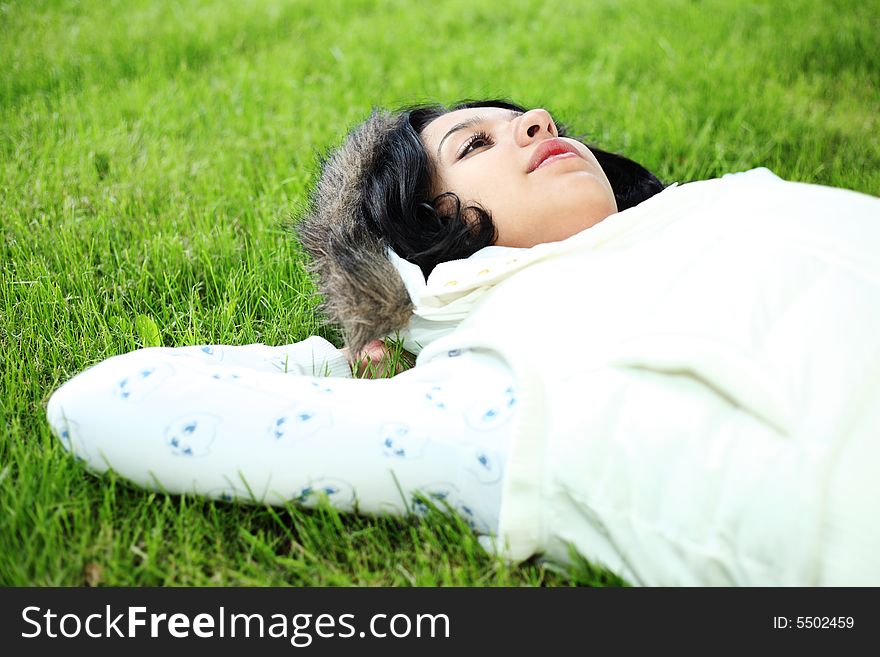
(260,423)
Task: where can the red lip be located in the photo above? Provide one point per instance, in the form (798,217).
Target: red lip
(548,148)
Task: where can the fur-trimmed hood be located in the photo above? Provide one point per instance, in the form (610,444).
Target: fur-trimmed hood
(363,291)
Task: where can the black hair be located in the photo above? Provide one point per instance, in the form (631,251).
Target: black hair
(399,209)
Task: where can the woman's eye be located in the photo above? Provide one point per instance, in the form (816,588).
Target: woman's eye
(477,141)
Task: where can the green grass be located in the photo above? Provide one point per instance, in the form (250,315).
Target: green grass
(150,153)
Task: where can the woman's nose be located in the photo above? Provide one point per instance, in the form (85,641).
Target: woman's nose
(534,125)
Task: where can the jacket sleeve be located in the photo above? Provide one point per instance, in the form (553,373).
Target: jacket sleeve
(313,356)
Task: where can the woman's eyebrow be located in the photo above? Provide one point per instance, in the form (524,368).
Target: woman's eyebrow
(470,123)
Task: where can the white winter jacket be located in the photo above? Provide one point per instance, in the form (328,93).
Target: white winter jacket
(700,383)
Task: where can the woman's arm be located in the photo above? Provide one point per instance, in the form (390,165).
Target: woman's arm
(313,356)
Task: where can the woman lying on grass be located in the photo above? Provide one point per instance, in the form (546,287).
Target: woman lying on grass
(679,383)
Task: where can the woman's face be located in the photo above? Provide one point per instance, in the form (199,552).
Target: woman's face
(537,186)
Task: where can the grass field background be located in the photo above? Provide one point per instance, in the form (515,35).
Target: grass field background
(151,151)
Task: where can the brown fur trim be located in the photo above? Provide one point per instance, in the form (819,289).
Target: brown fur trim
(363,292)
